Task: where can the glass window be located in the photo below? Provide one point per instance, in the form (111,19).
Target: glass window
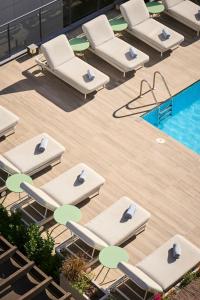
(82,8)
(52,19)
(4,50)
(104,3)
(24,32)
(66,13)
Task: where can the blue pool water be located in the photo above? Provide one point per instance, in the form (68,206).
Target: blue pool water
(184,123)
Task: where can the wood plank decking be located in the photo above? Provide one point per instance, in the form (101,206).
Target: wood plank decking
(109,136)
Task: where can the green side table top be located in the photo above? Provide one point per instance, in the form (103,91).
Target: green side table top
(155,7)
(79,44)
(110,256)
(67,213)
(118,24)
(13,182)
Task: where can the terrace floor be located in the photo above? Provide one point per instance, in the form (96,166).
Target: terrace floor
(108,135)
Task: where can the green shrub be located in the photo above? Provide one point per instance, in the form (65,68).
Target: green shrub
(12,228)
(30,242)
(40,250)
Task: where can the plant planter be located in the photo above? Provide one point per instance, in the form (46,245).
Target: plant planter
(100,294)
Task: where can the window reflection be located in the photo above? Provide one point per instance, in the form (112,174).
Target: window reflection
(82,8)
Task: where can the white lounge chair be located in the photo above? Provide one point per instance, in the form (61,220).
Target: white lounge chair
(184,11)
(159,271)
(8,122)
(64,189)
(59,59)
(26,157)
(110,48)
(147,29)
(111,227)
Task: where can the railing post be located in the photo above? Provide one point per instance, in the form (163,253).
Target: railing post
(8,33)
(40,23)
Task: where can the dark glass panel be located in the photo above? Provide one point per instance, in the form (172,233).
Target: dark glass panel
(4,50)
(82,8)
(66,12)
(104,3)
(24,32)
(52,19)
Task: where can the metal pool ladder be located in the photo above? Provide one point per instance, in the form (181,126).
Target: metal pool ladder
(167,110)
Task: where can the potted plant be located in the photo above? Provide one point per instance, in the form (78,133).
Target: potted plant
(77,279)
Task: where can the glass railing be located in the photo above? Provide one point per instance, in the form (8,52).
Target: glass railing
(33,27)
(45,22)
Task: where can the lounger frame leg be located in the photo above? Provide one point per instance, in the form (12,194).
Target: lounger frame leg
(108,270)
(85,96)
(10,131)
(99,272)
(123,280)
(124,74)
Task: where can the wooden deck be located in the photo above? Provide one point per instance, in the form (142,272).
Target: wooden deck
(111,138)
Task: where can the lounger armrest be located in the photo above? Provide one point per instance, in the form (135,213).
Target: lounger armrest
(139,278)
(7,166)
(39,196)
(87,236)
(40,60)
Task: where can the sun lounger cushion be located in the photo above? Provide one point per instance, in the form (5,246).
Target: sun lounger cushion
(98,31)
(139,277)
(151,32)
(74,72)
(121,57)
(111,226)
(148,29)
(134,12)
(87,236)
(39,196)
(103,41)
(163,268)
(26,158)
(57,51)
(170,3)
(187,13)
(7,120)
(66,189)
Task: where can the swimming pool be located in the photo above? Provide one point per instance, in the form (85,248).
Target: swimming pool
(180,117)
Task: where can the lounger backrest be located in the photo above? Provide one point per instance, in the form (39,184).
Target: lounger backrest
(134,12)
(87,236)
(98,31)
(5,114)
(6,166)
(139,277)
(39,196)
(57,51)
(170,3)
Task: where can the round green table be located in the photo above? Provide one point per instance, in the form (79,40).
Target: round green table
(110,257)
(79,44)
(13,182)
(67,213)
(118,24)
(155,8)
